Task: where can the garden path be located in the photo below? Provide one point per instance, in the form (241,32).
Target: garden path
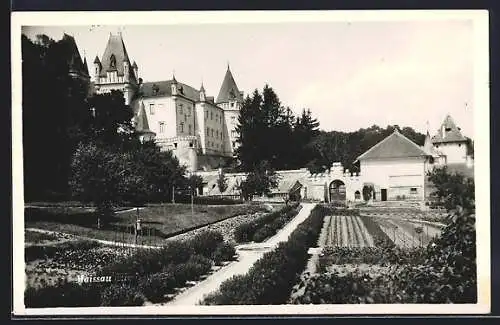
(248,255)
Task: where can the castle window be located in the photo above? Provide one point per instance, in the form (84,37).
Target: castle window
(206,115)
(211,115)
(217,133)
(212,133)
(233,133)
(234,144)
(232,104)
(413,190)
(190,144)
(162,127)
(152,109)
(175,145)
(182,126)
(208,131)
(189,127)
(459,145)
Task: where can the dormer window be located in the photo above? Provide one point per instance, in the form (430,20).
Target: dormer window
(447,129)
(181,90)
(112,61)
(155,89)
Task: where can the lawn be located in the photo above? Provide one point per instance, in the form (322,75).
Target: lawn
(159,221)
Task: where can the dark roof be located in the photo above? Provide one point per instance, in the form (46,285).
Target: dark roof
(115,47)
(134,65)
(73,58)
(229,90)
(96,60)
(163,88)
(394,146)
(142,125)
(85,66)
(451,132)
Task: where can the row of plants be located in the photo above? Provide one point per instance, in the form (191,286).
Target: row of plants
(36,252)
(208,200)
(369,255)
(443,272)
(271,279)
(266,226)
(380,238)
(150,275)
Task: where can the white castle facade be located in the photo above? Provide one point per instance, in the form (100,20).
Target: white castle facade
(198,129)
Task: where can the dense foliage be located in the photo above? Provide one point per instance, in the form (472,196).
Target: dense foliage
(259,181)
(270,279)
(143,275)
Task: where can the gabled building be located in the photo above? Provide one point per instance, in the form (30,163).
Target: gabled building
(396,167)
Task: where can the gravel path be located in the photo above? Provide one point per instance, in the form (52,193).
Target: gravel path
(248,255)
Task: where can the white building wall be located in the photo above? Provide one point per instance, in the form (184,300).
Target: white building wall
(231,120)
(160,110)
(213,129)
(398,176)
(455,152)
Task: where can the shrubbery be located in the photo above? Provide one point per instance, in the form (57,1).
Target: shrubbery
(270,279)
(266,226)
(152,274)
(34,252)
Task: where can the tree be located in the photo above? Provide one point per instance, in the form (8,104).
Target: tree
(102,175)
(260,181)
(452,189)
(368,191)
(222,182)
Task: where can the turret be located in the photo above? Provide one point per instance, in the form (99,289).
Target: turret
(203,95)
(136,70)
(126,71)
(97,68)
(173,86)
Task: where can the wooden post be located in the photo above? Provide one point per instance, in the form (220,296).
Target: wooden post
(173,193)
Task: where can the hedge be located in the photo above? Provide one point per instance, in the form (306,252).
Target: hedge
(271,279)
(266,226)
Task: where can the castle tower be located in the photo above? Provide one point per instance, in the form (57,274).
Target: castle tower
(77,68)
(230,99)
(450,141)
(114,71)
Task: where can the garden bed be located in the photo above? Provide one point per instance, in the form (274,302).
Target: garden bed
(135,277)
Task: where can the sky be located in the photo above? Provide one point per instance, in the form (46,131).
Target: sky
(350,75)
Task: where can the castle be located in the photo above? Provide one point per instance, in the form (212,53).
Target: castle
(198,129)
(201,132)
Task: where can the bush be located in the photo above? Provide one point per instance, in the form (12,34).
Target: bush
(121,294)
(205,242)
(155,286)
(63,294)
(270,279)
(223,252)
(196,266)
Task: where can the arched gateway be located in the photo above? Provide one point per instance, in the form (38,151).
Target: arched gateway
(337,191)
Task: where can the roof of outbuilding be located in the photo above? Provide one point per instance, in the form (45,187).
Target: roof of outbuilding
(395,145)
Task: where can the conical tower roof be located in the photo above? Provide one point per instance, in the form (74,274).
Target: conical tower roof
(229,90)
(448,132)
(114,56)
(142,125)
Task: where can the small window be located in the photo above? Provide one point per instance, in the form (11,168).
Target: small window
(206,115)
(234,144)
(189,127)
(211,115)
(208,131)
(217,133)
(413,190)
(212,131)
(152,109)
(162,127)
(447,129)
(190,144)
(459,145)
(232,104)
(175,145)
(182,127)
